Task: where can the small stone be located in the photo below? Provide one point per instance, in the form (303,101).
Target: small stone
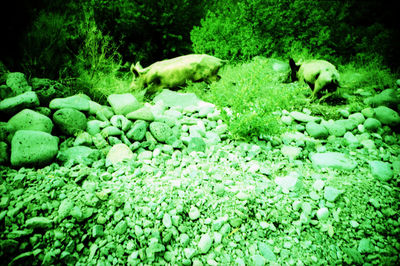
(167,220)
(323,214)
(381,170)
(160,131)
(317,131)
(123,104)
(387,116)
(331,193)
(97,231)
(121,227)
(372,124)
(365,246)
(38,222)
(291,152)
(194,213)
(119,153)
(302,117)
(266,251)
(205,243)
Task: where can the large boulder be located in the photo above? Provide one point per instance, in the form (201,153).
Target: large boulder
(387,116)
(70,121)
(33,148)
(30,120)
(123,104)
(15,104)
(17,82)
(79,102)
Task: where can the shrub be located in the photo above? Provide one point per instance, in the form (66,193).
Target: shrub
(252,95)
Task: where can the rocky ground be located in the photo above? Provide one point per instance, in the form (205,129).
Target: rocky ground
(162,184)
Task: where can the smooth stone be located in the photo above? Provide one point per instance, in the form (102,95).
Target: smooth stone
(143,113)
(372,124)
(387,116)
(119,153)
(30,120)
(334,160)
(123,104)
(381,170)
(302,117)
(175,99)
(15,104)
(33,148)
(78,102)
(317,131)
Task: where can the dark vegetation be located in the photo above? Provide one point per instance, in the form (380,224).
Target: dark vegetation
(90,44)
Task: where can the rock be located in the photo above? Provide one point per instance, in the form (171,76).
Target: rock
(335,128)
(302,117)
(331,193)
(15,104)
(348,124)
(323,213)
(205,243)
(70,121)
(196,144)
(119,153)
(77,102)
(317,131)
(111,131)
(38,222)
(138,130)
(33,148)
(175,99)
(160,131)
(365,246)
(368,112)
(93,127)
(3,153)
(121,122)
(387,116)
(47,89)
(17,82)
(194,213)
(334,160)
(372,124)
(357,117)
(266,251)
(143,113)
(388,98)
(381,170)
(123,104)
(290,182)
(31,120)
(351,140)
(77,154)
(291,152)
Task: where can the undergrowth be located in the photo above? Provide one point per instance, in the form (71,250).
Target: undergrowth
(249,95)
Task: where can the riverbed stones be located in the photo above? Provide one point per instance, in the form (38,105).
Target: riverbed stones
(372,124)
(335,160)
(143,113)
(78,102)
(30,120)
(176,99)
(15,104)
(70,121)
(381,170)
(160,131)
(138,130)
(119,153)
(17,82)
(302,117)
(33,148)
(123,104)
(317,131)
(387,116)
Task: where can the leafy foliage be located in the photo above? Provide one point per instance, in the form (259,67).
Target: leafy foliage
(246,28)
(252,96)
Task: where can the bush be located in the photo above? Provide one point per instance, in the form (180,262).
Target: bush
(252,95)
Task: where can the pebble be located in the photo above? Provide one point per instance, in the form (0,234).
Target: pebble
(323,214)
(205,243)
(331,193)
(194,213)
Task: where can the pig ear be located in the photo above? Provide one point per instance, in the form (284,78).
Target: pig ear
(294,69)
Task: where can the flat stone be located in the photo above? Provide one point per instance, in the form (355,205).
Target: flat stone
(78,102)
(70,121)
(335,160)
(387,116)
(119,153)
(175,99)
(30,120)
(15,104)
(302,117)
(123,104)
(317,131)
(143,113)
(38,222)
(381,170)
